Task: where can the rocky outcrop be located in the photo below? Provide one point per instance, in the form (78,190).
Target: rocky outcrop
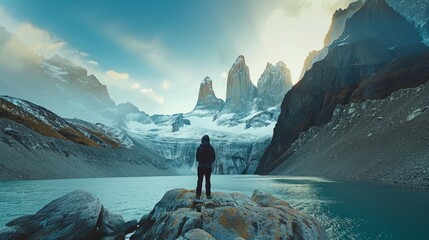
(175,121)
(77,215)
(207,100)
(240,90)
(335,31)
(376,20)
(179,122)
(226,216)
(313,57)
(339,21)
(373,37)
(273,84)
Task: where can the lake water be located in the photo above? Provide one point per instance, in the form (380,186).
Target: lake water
(346,210)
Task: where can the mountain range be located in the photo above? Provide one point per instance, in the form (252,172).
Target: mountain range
(240,127)
(372,51)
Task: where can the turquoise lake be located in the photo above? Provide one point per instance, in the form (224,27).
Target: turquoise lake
(347,210)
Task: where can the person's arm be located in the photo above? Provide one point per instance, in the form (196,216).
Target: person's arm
(196,154)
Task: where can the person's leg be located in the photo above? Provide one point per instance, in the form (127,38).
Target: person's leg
(199,181)
(208,174)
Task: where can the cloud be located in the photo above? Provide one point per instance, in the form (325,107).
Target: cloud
(224,75)
(293,8)
(151,51)
(151,94)
(40,41)
(14,54)
(92,62)
(25,43)
(117,75)
(84,54)
(135,86)
(166,84)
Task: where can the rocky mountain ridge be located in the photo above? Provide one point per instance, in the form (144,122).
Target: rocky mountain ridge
(36,143)
(416,12)
(360,52)
(49,124)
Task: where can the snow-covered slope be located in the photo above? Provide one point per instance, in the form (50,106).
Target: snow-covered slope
(238,147)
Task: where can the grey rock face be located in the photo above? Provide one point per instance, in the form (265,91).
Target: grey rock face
(376,20)
(273,85)
(339,21)
(240,90)
(207,99)
(313,57)
(227,216)
(77,215)
(197,234)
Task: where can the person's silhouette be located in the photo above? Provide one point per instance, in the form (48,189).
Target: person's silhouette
(205,157)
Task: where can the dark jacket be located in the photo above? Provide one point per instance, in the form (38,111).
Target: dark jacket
(205,155)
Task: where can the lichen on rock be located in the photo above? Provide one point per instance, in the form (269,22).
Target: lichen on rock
(226,216)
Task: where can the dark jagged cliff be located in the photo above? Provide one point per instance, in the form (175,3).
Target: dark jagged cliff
(374,36)
(336,28)
(339,20)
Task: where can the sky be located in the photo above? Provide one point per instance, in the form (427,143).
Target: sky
(155,53)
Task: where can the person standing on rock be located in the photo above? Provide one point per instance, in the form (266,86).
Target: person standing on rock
(205,157)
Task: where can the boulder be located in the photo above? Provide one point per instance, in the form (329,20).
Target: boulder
(197,234)
(76,215)
(226,216)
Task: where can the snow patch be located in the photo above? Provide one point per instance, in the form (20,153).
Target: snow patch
(414,114)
